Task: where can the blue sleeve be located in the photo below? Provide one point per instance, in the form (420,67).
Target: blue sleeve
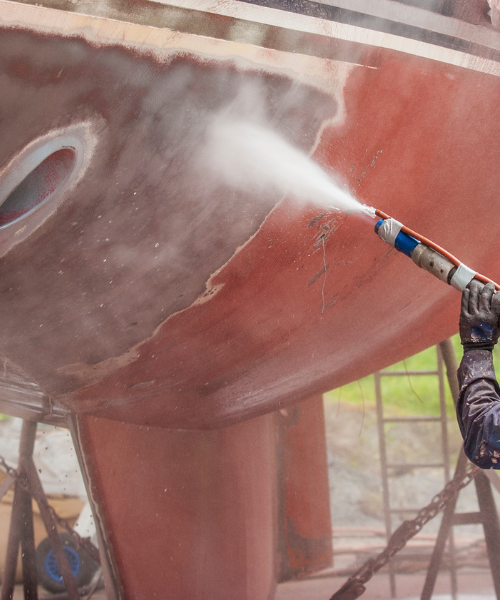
(478,409)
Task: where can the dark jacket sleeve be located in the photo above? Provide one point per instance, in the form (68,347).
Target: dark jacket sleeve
(478,409)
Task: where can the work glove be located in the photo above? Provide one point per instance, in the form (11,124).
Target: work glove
(479,329)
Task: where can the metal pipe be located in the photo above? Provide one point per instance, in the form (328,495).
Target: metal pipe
(451,362)
(21,525)
(428,255)
(10,565)
(57,546)
(28,552)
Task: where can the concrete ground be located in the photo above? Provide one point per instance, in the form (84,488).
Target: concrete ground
(18,594)
(472,585)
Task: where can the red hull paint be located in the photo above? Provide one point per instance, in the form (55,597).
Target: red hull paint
(419,141)
(304,524)
(154,298)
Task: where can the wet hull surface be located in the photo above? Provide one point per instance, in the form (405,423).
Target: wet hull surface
(177,320)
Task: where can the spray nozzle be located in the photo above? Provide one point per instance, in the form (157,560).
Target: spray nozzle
(426,254)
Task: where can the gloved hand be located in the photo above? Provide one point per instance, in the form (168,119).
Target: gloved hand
(479,327)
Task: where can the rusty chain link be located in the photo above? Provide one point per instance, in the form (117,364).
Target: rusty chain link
(8,469)
(354,587)
(82,543)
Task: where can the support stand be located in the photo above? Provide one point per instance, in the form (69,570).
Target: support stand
(487,514)
(21,525)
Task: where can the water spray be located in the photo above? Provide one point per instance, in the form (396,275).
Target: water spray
(426,254)
(244,154)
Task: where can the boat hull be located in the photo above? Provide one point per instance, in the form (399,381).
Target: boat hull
(152,295)
(172,320)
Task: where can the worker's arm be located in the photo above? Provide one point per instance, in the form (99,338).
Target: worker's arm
(478,407)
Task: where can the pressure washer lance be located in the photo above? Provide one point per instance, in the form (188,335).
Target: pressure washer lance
(426,254)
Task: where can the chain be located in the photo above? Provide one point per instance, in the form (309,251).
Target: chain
(82,543)
(15,474)
(8,469)
(354,587)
